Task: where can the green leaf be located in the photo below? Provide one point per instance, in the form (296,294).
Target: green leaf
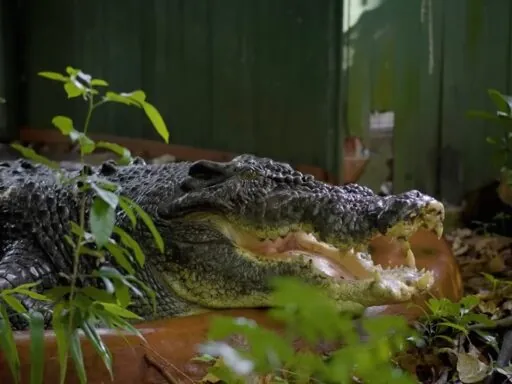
(87,145)
(29,153)
(92,334)
(98,83)
(127,240)
(123,152)
(64,124)
(25,286)
(112,96)
(138,96)
(77,230)
(72,90)
(502,102)
(32,294)
(61,331)
(72,71)
(101,220)
(291,294)
(445,338)
(8,345)
(454,326)
(119,255)
(91,252)
(36,347)
(108,197)
(151,226)
(477,318)
(78,358)
(125,205)
(97,294)
(115,321)
(157,121)
(53,76)
(149,292)
(469,301)
(122,293)
(14,303)
(57,293)
(119,311)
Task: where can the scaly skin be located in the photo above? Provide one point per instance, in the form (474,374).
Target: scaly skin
(210,216)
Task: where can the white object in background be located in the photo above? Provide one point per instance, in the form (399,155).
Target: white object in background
(382,121)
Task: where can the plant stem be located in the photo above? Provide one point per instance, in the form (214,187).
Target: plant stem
(86,123)
(76,255)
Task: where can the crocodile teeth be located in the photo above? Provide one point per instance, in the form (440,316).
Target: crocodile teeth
(439,229)
(410,260)
(424,281)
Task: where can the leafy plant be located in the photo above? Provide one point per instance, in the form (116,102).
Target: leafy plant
(309,315)
(454,328)
(80,306)
(503,144)
(445,319)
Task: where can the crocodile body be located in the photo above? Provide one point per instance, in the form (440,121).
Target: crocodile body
(228,229)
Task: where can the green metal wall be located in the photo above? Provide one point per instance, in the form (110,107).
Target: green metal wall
(437,148)
(9,77)
(258,76)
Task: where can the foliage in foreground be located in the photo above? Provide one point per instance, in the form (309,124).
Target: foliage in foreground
(446,342)
(77,306)
(311,316)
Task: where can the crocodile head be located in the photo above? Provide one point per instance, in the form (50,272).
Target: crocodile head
(237,224)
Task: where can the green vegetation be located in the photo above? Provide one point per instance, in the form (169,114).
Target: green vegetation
(443,339)
(77,308)
(503,143)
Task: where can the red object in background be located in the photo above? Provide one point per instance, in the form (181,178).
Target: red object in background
(355,159)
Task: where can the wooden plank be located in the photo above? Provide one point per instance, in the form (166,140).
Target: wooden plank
(473,62)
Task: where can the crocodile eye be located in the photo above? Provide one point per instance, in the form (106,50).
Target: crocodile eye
(204,174)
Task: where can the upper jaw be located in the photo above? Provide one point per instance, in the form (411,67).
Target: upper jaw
(353,222)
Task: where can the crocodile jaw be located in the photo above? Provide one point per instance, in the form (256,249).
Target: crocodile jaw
(405,281)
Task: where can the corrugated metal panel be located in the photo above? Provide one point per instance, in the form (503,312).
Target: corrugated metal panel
(3,75)
(476,57)
(437,147)
(11,57)
(245,76)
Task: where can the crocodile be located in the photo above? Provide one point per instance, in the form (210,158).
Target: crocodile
(229,228)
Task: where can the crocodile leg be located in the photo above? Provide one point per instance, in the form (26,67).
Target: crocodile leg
(23,263)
